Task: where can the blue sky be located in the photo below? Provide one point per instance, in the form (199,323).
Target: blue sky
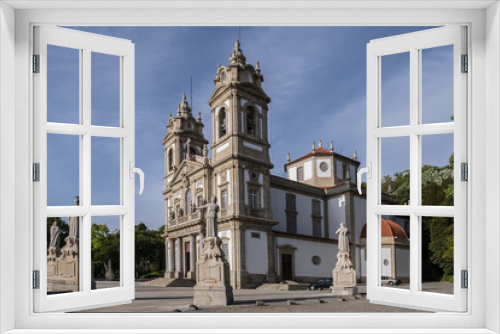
(315,76)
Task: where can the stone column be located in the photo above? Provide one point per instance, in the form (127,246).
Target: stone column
(200,243)
(170,258)
(178,251)
(192,256)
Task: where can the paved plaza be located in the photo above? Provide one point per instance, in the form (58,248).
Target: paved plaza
(151,299)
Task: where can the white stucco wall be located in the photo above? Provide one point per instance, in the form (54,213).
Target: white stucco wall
(292,174)
(336,214)
(386,269)
(328,172)
(359,215)
(303,257)
(362,265)
(308,172)
(228,234)
(402,262)
(256,253)
(304,209)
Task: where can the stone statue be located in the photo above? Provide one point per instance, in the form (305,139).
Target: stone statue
(188,148)
(212,269)
(55,232)
(73,223)
(211,218)
(344,274)
(343,238)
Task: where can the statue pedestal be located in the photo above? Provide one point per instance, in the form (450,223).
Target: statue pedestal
(212,286)
(63,267)
(344,276)
(343,291)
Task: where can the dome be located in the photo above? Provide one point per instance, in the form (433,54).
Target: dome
(389,229)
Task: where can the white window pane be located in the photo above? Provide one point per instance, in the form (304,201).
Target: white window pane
(437,170)
(63,169)
(105,246)
(63,85)
(438,254)
(105,171)
(395,169)
(437,84)
(395,90)
(63,255)
(105,90)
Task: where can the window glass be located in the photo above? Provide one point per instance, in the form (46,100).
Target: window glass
(395,86)
(250,121)
(63,85)
(105,245)
(254,198)
(224,199)
(291,223)
(63,255)
(290,202)
(222,122)
(317,228)
(437,84)
(63,169)
(106,90)
(300,174)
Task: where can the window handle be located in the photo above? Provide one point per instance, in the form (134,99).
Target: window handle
(368,171)
(139,171)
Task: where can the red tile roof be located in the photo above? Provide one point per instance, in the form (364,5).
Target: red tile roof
(388,229)
(319,151)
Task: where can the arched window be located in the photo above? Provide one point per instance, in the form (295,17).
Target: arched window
(170,160)
(222,122)
(189,202)
(251,121)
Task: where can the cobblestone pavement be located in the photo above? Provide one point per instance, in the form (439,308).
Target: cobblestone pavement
(150,299)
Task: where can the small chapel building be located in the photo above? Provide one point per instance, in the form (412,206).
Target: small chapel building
(272,228)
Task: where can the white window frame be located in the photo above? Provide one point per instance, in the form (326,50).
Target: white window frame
(483,20)
(414,43)
(85,43)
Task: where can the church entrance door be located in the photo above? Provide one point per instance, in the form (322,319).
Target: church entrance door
(286,266)
(187,257)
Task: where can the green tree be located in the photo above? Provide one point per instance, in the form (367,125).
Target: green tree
(437,233)
(105,246)
(149,246)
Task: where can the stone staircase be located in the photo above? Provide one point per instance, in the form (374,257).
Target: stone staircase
(171,282)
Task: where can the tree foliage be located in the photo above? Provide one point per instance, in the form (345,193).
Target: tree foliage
(105,246)
(149,247)
(437,232)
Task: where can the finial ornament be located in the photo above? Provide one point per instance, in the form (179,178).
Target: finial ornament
(257,66)
(314,146)
(199,117)
(183,97)
(288,157)
(320,144)
(331,145)
(389,188)
(237,56)
(355,156)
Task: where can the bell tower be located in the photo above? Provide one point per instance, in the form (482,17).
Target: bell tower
(240,159)
(184,139)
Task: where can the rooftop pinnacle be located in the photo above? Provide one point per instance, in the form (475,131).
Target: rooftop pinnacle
(237,56)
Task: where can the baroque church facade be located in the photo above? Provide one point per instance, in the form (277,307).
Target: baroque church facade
(272,228)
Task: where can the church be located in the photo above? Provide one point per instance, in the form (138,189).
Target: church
(272,228)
